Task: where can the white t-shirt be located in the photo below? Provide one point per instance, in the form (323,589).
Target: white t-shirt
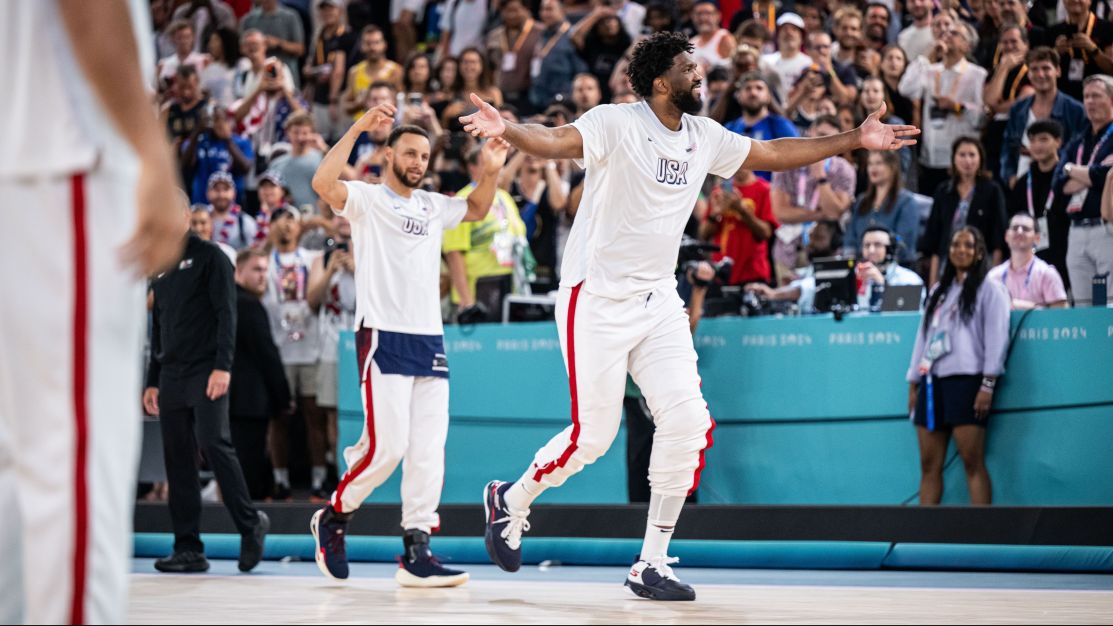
(293,322)
(397,245)
(788,70)
(642,183)
(51,121)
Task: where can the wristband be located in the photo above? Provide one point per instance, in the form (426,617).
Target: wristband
(989,383)
(822,181)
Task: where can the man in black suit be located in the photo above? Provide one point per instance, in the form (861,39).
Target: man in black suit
(259,390)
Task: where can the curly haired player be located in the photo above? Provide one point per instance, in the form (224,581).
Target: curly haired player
(618,309)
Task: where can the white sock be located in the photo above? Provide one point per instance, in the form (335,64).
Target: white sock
(282,476)
(664,511)
(522,493)
(318,476)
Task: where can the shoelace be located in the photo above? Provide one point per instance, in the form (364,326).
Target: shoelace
(661,564)
(516,524)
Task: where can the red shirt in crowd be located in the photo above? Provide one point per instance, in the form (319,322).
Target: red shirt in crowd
(751,257)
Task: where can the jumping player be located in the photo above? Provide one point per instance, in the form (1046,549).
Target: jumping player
(618,309)
(396,236)
(84,150)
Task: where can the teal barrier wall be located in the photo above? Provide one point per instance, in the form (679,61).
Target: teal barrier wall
(810,411)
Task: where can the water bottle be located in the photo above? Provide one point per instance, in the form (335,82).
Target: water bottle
(1101,282)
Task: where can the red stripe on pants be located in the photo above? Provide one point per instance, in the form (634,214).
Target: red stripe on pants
(702,463)
(560,462)
(369,424)
(80,401)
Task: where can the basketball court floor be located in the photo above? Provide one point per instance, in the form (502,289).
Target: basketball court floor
(295,592)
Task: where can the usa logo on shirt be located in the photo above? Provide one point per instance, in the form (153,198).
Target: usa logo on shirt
(672,172)
(411,226)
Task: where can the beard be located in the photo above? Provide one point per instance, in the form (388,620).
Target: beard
(400,174)
(686,102)
(753,109)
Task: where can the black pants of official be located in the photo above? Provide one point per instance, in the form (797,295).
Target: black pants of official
(249,436)
(639,447)
(192,423)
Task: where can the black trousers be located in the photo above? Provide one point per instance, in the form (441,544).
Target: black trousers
(192,423)
(249,436)
(639,447)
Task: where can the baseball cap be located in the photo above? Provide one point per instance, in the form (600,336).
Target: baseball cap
(284,211)
(221,177)
(791,19)
(272,177)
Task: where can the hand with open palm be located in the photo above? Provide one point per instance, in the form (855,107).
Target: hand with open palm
(486,122)
(876,135)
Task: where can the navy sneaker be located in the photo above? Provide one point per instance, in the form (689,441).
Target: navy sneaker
(419,568)
(328,528)
(504,527)
(656,581)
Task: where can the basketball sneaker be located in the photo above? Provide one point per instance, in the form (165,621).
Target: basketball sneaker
(655,580)
(419,568)
(328,528)
(504,527)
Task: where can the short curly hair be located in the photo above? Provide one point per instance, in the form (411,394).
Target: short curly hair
(652,58)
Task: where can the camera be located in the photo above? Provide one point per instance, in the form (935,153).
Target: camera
(414,99)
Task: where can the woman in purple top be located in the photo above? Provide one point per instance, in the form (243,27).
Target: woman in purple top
(959,355)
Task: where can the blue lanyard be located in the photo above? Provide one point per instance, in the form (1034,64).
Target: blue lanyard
(1027,280)
(1050,195)
(929,389)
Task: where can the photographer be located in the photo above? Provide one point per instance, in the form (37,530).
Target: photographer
(740,221)
(213,147)
(824,240)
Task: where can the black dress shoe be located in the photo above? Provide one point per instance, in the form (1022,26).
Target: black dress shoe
(251,545)
(183,563)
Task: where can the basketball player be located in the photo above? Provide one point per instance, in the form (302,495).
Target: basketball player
(83,165)
(618,309)
(396,238)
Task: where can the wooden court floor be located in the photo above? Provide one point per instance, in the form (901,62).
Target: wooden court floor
(296,593)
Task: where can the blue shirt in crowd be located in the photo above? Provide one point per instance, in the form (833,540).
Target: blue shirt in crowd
(213,156)
(771,126)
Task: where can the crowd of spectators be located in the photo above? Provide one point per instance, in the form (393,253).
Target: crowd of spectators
(1014,101)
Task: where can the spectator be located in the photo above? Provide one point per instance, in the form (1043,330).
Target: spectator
(231,226)
(295,331)
(713,43)
(332,293)
(269,100)
(368,142)
(1032,195)
(789,62)
(417,76)
(886,203)
(206,15)
(182,114)
(917,40)
(879,18)
(193,338)
(959,355)
(951,94)
(475,77)
(541,195)
(970,198)
(871,99)
(404,16)
(326,69)
(1010,81)
(840,80)
(824,240)
(201,224)
(757,35)
(161,11)
(1031,282)
(283,33)
(213,147)
(1047,102)
(1082,178)
(297,167)
(893,64)
(555,61)
(632,15)
(510,48)
(987,51)
(809,100)
(462,24)
(741,223)
(1016,12)
(660,16)
(848,35)
(757,121)
(821,191)
(484,248)
(877,269)
(586,94)
(374,68)
(601,42)
(218,77)
(273,197)
(182,34)
(1083,42)
(447,74)
(815,17)
(258,389)
(746,60)
(251,70)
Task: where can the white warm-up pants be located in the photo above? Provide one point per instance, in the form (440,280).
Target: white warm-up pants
(71,324)
(647,335)
(405,419)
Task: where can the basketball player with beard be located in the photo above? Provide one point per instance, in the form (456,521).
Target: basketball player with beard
(617,308)
(396,238)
